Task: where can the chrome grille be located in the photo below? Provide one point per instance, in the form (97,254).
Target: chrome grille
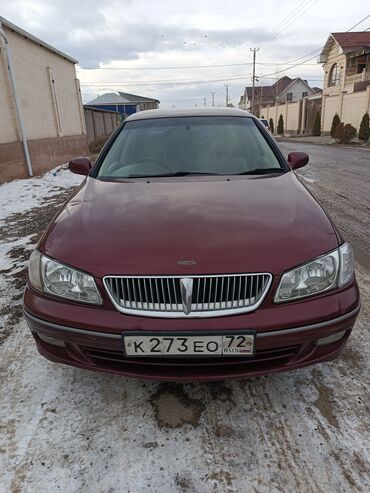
(192,296)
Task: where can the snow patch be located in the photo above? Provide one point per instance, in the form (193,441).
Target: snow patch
(21,195)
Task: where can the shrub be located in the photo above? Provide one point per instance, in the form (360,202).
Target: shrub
(271,123)
(335,123)
(344,133)
(280,128)
(316,131)
(364,132)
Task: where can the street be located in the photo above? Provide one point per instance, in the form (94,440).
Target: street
(72,430)
(339,177)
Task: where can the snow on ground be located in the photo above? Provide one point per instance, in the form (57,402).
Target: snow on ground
(21,195)
(64,429)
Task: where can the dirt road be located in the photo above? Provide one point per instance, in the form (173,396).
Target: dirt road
(63,429)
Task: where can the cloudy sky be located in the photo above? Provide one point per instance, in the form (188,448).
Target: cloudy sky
(181,53)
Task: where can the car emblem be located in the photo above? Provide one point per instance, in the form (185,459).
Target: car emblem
(186,288)
(186,262)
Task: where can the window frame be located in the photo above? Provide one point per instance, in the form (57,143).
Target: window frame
(334,75)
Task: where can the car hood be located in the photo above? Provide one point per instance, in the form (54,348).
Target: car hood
(236,225)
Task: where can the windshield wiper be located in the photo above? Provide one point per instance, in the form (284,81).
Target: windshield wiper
(262,171)
(175,173)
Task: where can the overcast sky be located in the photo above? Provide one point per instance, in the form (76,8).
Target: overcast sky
(146,35)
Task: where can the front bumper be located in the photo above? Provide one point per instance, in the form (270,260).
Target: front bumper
(278,347)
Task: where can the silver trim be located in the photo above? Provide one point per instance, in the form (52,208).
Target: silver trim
(165,310)
(186,288)
(274,333)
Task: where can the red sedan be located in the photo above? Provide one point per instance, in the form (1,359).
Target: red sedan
(191,252)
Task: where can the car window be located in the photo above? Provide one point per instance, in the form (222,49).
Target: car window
(215,145)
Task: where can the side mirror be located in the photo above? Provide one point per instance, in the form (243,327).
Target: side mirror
(80,165)
(297,159)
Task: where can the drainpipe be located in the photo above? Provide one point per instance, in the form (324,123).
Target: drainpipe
(16,100)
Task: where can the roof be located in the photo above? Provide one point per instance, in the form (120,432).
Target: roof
(268,93)
(172,113)
(352,41)
(317,89)
(282,83)
(293,81)
(348,42)
(108,98)
(38,41)
(94,108)
(120,98)
(133,98)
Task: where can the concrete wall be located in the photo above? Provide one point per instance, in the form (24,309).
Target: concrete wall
(330,106)
(99,123)
(50,101)
(291,114)
(350,108)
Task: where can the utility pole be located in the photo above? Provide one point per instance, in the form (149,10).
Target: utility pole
(204,102)
(213,98)
(227,94)
(254,50)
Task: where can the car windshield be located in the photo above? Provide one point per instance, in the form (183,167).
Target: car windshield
(188,145)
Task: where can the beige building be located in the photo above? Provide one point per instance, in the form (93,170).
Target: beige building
(50,116)
(346,62)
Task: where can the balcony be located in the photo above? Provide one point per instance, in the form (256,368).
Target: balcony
(352,79)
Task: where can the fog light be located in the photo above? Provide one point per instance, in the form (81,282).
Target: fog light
(323,341)
(51,340)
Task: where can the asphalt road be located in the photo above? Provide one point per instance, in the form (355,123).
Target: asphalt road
(63,429)
(339,177)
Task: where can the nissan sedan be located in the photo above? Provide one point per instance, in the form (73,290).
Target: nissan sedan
(191,251)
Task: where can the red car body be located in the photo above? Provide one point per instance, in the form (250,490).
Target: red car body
(187,226)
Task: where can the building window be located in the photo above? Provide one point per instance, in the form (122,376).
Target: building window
(289,96)
(334,75)
(304,94)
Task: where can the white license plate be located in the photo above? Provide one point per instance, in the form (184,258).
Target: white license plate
(240,344)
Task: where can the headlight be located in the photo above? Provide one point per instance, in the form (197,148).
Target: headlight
(52,277)
(336,269)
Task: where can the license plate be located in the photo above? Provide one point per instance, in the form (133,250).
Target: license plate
(207,344)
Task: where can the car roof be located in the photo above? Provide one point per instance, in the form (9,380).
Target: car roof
(172,113)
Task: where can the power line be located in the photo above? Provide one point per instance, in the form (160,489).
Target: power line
(280,25)
(358,23)
(194,81)
(282,22)
(307,59)
(185,67)
(295,18)
(186,82)
(262,76)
